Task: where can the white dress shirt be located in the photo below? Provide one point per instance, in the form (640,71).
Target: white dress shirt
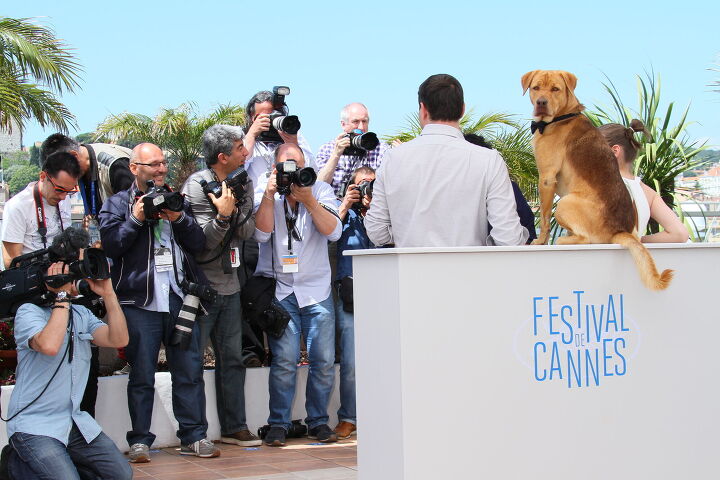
(311,284)
(439,190)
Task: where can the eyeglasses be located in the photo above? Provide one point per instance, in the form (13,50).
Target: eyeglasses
(154,165)
(59,189)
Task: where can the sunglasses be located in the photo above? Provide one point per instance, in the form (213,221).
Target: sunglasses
(59,189)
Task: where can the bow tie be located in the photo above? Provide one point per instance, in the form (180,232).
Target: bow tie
(541,125)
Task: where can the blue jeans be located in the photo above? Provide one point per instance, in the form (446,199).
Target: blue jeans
(223,326)
(345,325)
(41,457)
(317,325)
(147,331)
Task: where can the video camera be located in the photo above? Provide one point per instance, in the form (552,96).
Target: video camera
(236,181)
(288,173)
(361,143)
(25,281)
(160,198)
(280,121)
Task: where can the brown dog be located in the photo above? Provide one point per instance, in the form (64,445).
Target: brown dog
(575,162)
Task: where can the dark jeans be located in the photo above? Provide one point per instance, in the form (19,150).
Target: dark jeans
(223,327)
(41,457)
(147,331)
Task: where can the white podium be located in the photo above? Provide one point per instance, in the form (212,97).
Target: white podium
(536,363)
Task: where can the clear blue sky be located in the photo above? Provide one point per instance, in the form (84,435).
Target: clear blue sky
(141,56)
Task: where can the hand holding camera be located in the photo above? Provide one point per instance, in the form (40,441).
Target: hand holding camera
(341,143)
(260,124)
(225,203)
(53,271)
(352,196)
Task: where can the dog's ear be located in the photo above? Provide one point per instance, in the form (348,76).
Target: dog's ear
(570,80)
(526,80)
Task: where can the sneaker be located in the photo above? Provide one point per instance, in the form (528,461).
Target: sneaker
(275,437)
(345,429)
(123,371)
(139,453)
(322,433)
(244,438)
(202,448)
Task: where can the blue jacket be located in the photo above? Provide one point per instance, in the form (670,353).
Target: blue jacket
(130,244)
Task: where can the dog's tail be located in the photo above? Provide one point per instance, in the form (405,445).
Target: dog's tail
(644,262)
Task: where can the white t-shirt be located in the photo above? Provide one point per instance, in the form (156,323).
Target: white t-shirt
(20,224)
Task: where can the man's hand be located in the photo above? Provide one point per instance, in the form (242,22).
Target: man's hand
(271,188)
(170,215)
(103,288)
(59,268)
(352,196)
(341,143)
(303,195)
(225,204)
(137,210)
(366,201)
(287,138)
(259,125)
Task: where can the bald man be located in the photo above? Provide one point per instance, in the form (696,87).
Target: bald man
(336,168)
(293,231)
(152,267)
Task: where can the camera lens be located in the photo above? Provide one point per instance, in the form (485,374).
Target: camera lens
(305,177)
(289,124)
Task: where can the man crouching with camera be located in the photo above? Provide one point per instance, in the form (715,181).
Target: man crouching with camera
(221,198)
(295,219)
(50,436)
(151,236)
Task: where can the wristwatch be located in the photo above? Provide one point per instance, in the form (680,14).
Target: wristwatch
(62,296)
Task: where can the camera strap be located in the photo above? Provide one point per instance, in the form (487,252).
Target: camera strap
(40,215)
(291,223)
(92,210)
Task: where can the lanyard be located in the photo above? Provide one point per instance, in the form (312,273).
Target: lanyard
(157,231)
(40,215)
(291,224)
(93,197)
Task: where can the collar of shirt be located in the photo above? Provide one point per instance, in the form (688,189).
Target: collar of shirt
(441,129)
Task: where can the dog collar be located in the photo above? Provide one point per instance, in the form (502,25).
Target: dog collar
(541,125)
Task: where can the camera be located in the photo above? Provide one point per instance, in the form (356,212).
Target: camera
(288,173)
(280,120)
(236,181)
(297,430)
(194,292)
(361,143)
(364,188)
(25,280)
(160,198)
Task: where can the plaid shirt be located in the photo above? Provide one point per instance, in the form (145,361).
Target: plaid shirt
(348,164)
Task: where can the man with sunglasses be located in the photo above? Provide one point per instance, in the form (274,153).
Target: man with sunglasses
(33,217)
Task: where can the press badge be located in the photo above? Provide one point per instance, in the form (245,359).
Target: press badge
(163,259)
(290,263)
(235,257)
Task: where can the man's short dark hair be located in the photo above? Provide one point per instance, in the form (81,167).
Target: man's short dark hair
(61,162)
(364,169)
(57,142)
(442,96)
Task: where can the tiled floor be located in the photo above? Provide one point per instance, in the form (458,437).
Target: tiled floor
(299,459)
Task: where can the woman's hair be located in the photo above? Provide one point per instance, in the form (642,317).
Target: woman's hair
(617,134)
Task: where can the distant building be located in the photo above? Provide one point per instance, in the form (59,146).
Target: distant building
(11,142)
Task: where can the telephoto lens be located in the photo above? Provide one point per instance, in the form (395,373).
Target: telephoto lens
(182,334)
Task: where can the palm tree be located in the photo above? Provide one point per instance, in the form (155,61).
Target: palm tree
(506,135)
(668,151)
(178,131)
(35,66)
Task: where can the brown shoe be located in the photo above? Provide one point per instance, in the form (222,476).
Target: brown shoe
(345,429)
(243,438)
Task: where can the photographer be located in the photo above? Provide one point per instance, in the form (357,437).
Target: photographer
(152,261)
(293,225)
(352,212)
(49,435)
(335,165)
(35,216)
(226,219)
(259,143)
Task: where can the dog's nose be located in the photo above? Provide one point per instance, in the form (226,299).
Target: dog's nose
(541,102)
